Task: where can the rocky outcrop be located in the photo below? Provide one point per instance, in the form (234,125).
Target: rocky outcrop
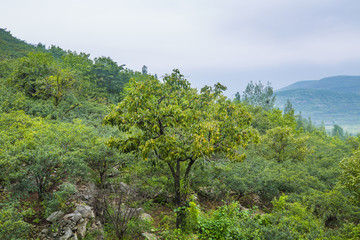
(149,236)
(71,226)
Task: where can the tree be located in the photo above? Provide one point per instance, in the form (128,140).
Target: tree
(350,176)
(144,70)
(101,159)
(40,154)
(337,131)
(30,71)
(171,122)
(237,97)
(39,76)
(106,73)
(57,85)
(282,144)
(288,108)
(258,95)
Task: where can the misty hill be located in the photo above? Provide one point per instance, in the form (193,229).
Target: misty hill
(333,100)
(339,84)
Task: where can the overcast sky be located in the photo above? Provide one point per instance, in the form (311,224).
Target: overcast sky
(227,41)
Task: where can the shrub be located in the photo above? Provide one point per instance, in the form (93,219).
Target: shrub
(12,224)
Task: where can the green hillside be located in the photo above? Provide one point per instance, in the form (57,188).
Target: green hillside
(92,150)
(12,47)
(333,100)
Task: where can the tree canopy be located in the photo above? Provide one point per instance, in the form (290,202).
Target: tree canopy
(171,122)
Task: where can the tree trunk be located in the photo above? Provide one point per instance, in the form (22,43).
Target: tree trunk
(179,218)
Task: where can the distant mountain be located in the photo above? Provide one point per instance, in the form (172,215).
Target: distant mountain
(332,100)
(339,84)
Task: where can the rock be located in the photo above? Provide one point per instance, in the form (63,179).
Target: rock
(134,211)
(75,217)
(146,217)
(55,216)
(64,223)
(85,211)
(75,237)
(44,231)
(67,234)
(149,236)
(81,227)
(124,187)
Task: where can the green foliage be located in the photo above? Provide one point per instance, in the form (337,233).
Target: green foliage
(291,221)
(171,123)
(39,153)
(258,95)
(11,47)
(333,207)
(337,131)
(108,75)
(60,200)
(288,108)
(12,224)
(101,159)
(350,176)
(281,143)
(266,120)
(181,141)
(230,222)
(190,215)
(353,232)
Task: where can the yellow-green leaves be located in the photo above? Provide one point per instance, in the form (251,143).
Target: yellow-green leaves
(177,122)
(350,176)
(282,143)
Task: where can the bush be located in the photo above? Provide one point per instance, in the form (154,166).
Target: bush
(229,222)
(58,201)
(12,224)
(291,221)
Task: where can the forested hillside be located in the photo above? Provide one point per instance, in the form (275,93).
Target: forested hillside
(332,100)
(93,150)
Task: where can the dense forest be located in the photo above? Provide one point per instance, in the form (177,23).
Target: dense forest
(157,159)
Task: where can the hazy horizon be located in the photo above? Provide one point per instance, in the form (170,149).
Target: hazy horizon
(232,42)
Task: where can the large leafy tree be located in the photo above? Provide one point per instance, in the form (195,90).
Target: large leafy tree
(171,122)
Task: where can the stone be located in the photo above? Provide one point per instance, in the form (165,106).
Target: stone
(75,237)
(146,217)
(149,236)
(64,222)
(81,228)
(55,216)
(124,187)
(68,233)
(75,217)
(85,211)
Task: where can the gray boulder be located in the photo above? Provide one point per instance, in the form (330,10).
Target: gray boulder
(55,216)
(85,211)
(68,233)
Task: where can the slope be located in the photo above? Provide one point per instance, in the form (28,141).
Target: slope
(12,47)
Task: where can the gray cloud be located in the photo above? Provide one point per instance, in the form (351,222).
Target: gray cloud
(228,41)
